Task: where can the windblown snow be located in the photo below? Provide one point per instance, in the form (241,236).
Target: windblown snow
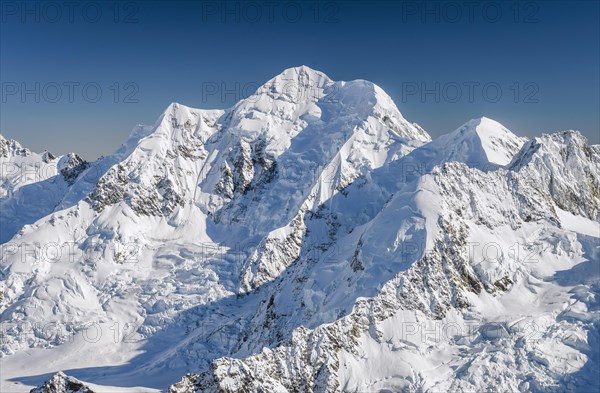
(307,239)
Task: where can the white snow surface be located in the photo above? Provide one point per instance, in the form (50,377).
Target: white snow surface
(307,239)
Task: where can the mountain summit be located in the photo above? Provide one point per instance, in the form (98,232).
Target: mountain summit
(482,140)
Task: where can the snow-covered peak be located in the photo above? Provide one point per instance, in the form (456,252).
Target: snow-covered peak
(569,166)
(483,141)
(297,77)
(179,124)
(560,147)
(300,97)
(286,95)
(498,142)
(10,147)
(480,143)
(29,185)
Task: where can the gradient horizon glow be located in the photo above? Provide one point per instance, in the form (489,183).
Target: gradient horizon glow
(78,76)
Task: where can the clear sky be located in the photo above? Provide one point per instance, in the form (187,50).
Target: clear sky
(78,77)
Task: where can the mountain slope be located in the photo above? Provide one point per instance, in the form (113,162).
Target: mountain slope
(167,223)
(455,303)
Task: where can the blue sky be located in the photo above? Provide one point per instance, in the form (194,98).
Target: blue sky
(79,77)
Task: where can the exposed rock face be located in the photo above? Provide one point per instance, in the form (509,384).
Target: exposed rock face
(71,166)
(60,383)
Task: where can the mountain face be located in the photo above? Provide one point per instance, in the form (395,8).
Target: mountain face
(307,239)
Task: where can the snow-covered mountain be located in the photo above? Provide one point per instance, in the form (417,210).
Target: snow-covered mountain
(307,239)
